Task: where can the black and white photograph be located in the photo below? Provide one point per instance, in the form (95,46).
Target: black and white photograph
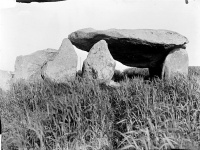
(99,75)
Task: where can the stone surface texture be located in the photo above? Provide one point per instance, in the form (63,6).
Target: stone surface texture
(99,63)
(5,80)
(29,67)
(62,68)
(175,63)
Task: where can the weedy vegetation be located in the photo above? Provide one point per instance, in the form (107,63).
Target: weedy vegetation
(84,115)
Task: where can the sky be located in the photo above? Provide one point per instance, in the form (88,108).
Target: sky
(26,28)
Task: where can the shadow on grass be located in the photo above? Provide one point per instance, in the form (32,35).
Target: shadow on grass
(127,73)
(131,73)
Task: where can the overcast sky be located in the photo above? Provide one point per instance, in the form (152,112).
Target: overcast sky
(27,28)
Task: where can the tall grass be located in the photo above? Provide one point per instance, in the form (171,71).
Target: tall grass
(85,115)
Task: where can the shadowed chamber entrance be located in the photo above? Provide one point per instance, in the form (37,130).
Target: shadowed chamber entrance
(136,54)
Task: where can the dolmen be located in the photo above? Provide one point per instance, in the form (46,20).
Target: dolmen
(162,51)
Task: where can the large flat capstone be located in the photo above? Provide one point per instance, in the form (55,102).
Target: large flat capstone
(144,48)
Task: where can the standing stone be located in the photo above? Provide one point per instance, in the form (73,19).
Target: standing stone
(29,67)
(175,63)
(63,68)
(5,80)
(99,63)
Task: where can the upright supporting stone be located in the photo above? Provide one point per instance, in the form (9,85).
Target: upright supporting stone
(99,63)
(175,63)
(5,80)
(63,68)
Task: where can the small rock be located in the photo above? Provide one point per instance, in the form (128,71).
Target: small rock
(113,84)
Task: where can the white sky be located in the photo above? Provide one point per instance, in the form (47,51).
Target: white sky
(27,28)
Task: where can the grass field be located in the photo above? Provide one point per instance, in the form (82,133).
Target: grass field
(83,115)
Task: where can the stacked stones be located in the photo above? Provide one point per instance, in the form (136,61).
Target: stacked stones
(162,51)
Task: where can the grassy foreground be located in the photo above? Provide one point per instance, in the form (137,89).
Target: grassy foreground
(139,115)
